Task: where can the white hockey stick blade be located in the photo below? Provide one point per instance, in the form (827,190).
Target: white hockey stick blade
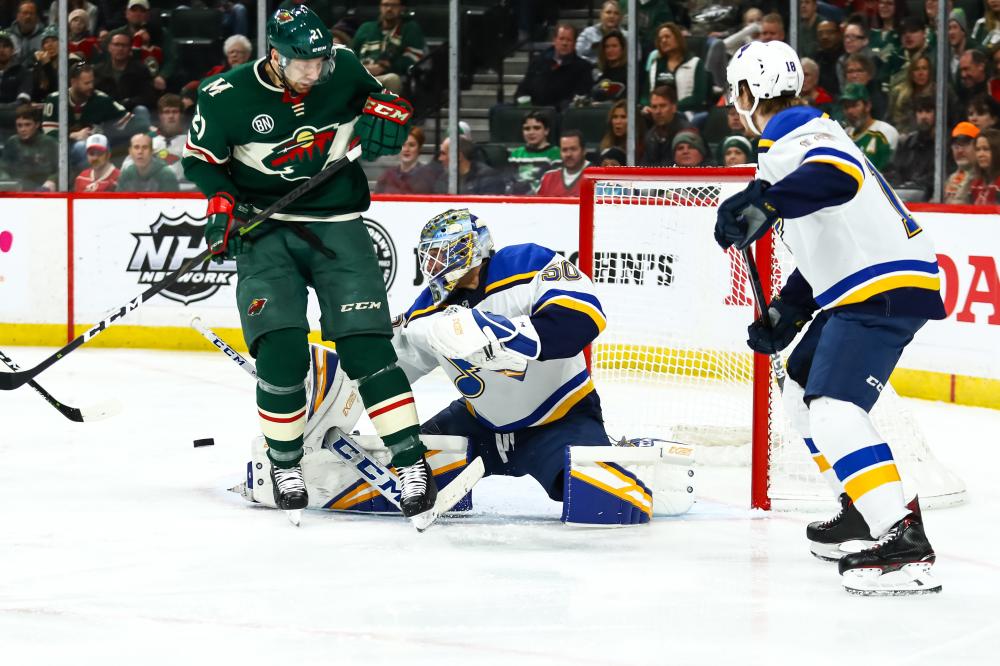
(101,410)
(294,516)
(459,487)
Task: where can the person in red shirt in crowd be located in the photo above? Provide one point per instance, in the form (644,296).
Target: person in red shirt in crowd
(565,181)
(81,42)
(985,187)
(812,91)
(102,176)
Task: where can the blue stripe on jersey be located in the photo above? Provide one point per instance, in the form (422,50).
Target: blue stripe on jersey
(862,459)
(424,305)
(810,188)
(516,260)
(787,121)
(547,405)
(810,445)
(890,275)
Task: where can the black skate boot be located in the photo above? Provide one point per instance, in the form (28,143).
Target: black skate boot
(827,537)
(418,489)
(899,564)
(289,491)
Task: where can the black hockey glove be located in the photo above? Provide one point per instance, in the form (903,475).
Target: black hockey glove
(221,219)
(745,217)
(384,125)
(786,322)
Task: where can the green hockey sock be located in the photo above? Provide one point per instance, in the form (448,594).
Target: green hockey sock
(282,364)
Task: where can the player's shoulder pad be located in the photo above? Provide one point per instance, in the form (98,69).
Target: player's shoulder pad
(423,306)
(516,264)
(785,123)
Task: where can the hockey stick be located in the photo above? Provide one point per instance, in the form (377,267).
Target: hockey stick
(762,306)
(96,412)
(234,355)
(12,380)
(365,466)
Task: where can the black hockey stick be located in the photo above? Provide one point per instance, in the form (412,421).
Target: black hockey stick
(12,380)
(92,413)
(762,306)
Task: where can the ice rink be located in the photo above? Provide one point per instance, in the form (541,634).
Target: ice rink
(121,545)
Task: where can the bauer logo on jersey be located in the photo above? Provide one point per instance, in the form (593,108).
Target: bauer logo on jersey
(303,155)
(385,251)
(256,305)
(170,242)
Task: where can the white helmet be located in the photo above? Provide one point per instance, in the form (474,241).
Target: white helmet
(771,69)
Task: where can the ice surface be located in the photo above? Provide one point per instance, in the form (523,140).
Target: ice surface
(120,545)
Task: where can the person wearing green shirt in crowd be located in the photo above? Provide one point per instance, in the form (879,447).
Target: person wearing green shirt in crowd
(877,139)
(146,173)
(672,64)
(808,20)
(653,13)
(536,156)
(916,41)
(30,156)
(389,46)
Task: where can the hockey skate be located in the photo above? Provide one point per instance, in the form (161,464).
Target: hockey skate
(845,533)
(290,492)
(899,564)
(418,490)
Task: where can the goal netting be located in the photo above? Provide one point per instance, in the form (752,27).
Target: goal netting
(673,362)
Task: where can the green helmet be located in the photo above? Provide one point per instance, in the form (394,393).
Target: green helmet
(297,33)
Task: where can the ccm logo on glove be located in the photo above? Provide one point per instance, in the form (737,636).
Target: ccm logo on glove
(363,305)
(397,114)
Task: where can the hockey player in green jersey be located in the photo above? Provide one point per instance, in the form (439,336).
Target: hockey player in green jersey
(259,130)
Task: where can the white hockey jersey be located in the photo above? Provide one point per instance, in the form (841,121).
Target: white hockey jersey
(853,240)
(518,280)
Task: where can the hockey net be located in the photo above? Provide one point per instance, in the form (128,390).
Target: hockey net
(673,361)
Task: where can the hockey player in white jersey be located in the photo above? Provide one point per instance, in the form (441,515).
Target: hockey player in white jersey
(867,277)
(509,331)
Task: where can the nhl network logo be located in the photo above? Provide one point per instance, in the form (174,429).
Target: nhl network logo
(385,251)
(170,242)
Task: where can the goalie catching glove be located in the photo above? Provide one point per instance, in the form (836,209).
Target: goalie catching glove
(485,339)
(384,125)
(223,240)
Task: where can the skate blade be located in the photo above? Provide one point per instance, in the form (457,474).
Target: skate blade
(450,495)
(910,579)
(294,516)
(832,552)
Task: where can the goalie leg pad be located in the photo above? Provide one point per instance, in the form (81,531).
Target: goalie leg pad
(603,494)
(334,401)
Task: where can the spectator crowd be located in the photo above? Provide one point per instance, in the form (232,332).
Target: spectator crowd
(870,64)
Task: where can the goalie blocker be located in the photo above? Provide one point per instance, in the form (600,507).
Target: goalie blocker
(624,484)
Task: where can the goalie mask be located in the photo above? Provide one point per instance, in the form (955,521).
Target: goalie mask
(770,69)
(304,45)
(451,244)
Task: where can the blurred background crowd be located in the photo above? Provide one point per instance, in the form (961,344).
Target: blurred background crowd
(544,87)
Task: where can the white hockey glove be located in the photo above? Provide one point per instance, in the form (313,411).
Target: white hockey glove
(485,339)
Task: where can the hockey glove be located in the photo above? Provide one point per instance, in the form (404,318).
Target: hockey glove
(223,240)
(786,321)
(745,217)
(384,125)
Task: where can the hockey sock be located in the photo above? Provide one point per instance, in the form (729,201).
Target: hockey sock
(793,398)
(282,364)
(385,390)
(861,460)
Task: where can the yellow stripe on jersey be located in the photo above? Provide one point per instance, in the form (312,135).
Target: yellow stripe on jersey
(932,283)
(846,167)
(507,280)
(567,403)
(424,311)
(580,306)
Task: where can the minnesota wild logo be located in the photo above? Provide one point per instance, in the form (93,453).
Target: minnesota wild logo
(283,16)
(303,155)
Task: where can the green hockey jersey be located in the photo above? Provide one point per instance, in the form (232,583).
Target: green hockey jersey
(96,111)
(257,141)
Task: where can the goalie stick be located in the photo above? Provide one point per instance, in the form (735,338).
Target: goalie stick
(96,412)
(12,380)
(367,469)
(762,305)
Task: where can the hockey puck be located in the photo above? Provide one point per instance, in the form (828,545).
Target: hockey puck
(208,441)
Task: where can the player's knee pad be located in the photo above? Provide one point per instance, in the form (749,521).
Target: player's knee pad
(282,359)
(840,427)
(333,399)
(365,356)
(627,485)
(793,398)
